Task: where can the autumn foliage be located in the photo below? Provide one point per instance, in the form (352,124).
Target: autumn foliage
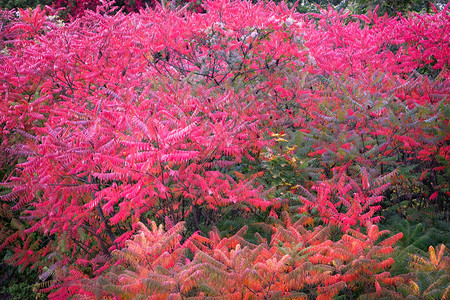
(299,261)
(113,119)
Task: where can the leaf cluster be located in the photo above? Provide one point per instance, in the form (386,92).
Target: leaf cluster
(113,119)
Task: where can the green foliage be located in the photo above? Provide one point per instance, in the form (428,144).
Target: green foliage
(431,275)
(419,233)
(392,8)
(17,285)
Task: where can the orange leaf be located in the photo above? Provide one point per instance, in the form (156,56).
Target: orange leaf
(239,175)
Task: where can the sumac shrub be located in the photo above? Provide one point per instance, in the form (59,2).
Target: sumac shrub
(113,119)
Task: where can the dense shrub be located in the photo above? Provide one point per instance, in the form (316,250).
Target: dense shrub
(112,120)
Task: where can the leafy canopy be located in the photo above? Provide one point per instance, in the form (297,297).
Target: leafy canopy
(111,120)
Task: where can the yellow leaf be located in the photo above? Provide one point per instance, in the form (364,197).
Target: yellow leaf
(415,287)
(432,255)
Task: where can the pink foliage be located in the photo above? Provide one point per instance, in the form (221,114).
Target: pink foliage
(117,118)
